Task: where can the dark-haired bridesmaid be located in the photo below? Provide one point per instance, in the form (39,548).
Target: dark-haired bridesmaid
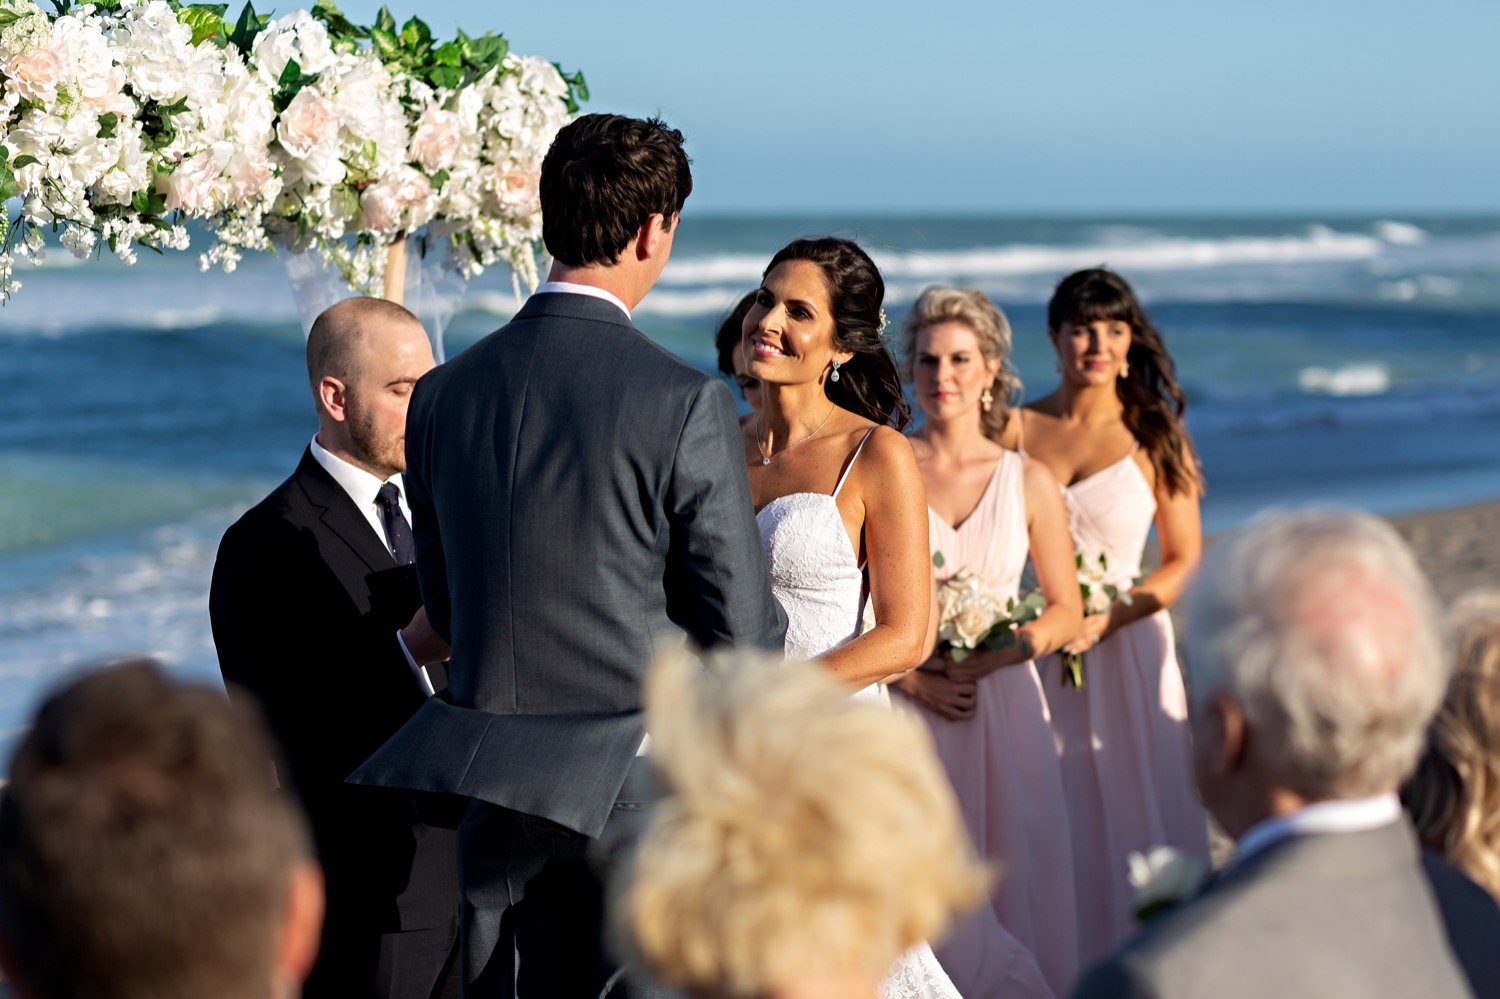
(1112,433)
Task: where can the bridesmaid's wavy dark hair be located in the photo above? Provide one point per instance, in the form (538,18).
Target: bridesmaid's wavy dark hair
(1154,403)
(868,382)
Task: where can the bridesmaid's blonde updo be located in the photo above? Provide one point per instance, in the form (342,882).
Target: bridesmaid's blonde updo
(939,304)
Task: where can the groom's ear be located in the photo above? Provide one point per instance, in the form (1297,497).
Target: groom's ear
(653,236)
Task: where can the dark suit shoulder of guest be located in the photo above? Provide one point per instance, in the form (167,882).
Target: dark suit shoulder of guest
(578,496)
(305,604)
(1325,916)
(1472,919)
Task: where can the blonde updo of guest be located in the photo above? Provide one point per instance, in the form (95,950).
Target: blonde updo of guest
(1455,796)
(939,304)
(804,832)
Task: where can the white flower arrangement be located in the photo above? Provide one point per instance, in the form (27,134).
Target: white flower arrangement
(122,120)
(971,616)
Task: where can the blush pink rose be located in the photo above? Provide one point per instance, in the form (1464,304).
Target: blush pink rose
(306,123)
(436,140)
(35,75)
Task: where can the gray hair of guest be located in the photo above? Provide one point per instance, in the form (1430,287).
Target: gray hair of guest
(1322,627)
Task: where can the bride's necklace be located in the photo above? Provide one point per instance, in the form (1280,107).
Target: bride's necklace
(765,455)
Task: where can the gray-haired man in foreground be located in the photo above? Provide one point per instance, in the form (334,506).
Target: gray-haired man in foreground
(1314,665)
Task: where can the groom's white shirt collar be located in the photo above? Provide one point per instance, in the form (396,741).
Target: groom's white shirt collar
(1341,816)
(361,486)
(569,288)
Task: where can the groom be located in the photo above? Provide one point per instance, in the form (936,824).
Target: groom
(578,497)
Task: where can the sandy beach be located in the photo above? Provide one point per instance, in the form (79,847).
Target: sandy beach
(1459,547)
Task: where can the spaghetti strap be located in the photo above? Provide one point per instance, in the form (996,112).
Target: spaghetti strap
(852,459)
(1021,430)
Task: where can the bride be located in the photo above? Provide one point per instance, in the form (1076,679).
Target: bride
(838,498)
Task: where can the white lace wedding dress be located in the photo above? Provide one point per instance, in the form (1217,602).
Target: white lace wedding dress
(817,579)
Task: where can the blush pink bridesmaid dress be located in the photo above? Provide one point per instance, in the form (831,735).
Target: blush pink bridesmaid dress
(1122,737)
(1003,764)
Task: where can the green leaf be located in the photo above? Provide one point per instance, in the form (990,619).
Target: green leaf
(23,161)
(440,178)
(488,51)
(368,150)
(9,16)
(385,43)
(206,20)
(8,188)
(447,77)
(107,124)
(580,86)
(290,74)
(337,23)
(384,21)
(245,29)
(448,54)
(415,34)
(938,561)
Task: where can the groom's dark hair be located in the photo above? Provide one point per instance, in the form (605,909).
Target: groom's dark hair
(604,176)
(144,848)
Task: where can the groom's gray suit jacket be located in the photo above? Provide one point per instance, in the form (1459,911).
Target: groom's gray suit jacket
(578,496)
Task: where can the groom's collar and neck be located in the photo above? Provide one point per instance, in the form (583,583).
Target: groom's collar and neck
(625,280)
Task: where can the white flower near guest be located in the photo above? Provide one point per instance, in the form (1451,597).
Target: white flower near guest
(1162,877)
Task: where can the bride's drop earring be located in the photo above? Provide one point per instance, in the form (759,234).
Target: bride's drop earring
(1124,370)
(835,376)
(986,400)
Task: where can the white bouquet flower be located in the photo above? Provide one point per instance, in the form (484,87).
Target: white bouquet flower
(1099,596)
(972,616)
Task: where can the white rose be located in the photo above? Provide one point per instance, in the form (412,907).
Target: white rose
(975,617)
(436,140)
(34,75)
(248,176)
(389,202)
(308,122)
(191,186)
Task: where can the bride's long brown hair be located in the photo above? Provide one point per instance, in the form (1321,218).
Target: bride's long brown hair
(1154,403)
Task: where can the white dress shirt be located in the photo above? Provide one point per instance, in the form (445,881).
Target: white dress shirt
(363,488)
(569,288)
(1345,815)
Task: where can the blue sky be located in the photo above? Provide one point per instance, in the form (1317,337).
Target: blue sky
(1036,106)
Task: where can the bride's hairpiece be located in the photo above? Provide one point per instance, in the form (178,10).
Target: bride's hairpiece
(884,322)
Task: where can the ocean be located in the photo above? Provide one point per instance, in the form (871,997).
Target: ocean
(1346,359)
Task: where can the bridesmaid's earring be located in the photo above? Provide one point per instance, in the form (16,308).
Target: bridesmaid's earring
(835,376)
(1124,370)
(986,400)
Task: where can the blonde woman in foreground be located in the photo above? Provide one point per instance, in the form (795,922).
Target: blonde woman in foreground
(1454,797)
(806,840)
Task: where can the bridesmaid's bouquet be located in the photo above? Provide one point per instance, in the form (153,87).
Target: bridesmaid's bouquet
(971,616)
(1099,595)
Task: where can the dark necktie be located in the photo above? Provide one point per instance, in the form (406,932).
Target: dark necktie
(397,530)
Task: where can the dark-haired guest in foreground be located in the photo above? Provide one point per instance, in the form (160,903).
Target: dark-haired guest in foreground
(315,611)
(1315,665)
(1454,796)
(145,851)
(578,497)
(1112,435)
(729,344)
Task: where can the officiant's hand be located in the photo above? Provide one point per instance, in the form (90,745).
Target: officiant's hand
(948,697)
(424,644)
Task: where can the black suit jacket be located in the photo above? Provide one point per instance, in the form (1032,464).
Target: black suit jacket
(306,602)
(578,496)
